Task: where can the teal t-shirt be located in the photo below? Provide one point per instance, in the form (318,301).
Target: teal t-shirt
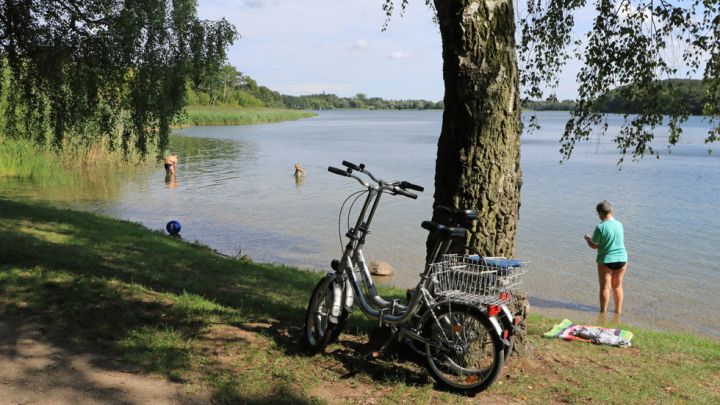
(609,236)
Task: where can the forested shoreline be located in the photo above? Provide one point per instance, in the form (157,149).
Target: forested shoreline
(692,94)
(229,86)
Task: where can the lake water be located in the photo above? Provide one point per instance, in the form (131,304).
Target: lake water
(235,192)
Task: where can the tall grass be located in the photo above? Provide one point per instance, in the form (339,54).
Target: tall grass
(22,158)
(227,115)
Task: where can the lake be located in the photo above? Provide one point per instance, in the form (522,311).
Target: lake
(235,192)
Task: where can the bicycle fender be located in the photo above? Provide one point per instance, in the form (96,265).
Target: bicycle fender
(349,297)
(496,325)
(507,319)
(498,330)
(337,302)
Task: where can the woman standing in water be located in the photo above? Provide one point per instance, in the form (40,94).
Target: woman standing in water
(609,240)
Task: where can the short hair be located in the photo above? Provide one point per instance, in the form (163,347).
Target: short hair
(604,207)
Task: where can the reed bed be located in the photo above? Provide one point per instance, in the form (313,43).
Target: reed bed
(227,115)
(22,158)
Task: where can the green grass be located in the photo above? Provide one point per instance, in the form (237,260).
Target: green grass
(227,115)
(21,158)
(179,310)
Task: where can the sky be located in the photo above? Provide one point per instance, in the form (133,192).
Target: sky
(337,46)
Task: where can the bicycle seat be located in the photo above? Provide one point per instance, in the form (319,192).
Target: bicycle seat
(444,232)
(457,215)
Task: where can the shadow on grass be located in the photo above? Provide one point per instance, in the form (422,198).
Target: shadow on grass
(40,368)
(90,276)
(146,297)
(398,363)
(227,393)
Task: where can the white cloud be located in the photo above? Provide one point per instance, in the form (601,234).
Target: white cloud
(259,3)
(360,44)
(399,55)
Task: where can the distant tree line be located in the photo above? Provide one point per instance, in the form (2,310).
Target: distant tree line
(362,101)
(623,100)
(693,94)
(228,86)
(550,104)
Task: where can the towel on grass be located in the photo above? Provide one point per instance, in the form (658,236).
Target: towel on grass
(570,331)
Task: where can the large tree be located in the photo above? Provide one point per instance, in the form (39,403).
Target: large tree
(93,68)
(478,159)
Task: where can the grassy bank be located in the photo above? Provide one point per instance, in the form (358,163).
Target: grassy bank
(207,115)
(163,306)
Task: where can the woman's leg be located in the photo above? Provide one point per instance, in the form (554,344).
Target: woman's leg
(604,277)
(617,279)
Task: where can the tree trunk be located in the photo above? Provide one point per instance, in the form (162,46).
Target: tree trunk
(478,160)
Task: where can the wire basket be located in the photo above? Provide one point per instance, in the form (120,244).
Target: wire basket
(476,280)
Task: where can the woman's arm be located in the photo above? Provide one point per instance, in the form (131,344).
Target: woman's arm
(590,243)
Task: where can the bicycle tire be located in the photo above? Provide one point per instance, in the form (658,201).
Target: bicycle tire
(464,352)
(319,331)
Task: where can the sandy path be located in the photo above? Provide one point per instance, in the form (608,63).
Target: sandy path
(35,369)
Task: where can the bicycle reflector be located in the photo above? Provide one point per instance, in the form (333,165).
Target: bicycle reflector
(471,379)
(505,296)
(493,310)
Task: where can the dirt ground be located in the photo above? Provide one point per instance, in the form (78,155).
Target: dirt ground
(37,370)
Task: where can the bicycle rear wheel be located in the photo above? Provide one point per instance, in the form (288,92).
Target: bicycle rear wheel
(463,350)
(319,331)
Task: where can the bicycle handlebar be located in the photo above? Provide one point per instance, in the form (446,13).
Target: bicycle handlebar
(352,166)
(405,184)
(398,187)
(339,172)
(398,190)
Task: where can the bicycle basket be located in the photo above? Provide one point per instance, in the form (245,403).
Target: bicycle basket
(476,280)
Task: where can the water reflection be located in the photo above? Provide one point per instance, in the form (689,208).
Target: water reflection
(558,304)
(171,180)
(101,183)
(602,319)
(298,180)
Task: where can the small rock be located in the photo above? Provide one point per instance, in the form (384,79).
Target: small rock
(381,269)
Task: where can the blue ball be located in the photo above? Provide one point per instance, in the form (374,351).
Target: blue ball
(173,227)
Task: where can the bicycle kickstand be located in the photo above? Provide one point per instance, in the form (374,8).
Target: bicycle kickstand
(380,351)
(393,332)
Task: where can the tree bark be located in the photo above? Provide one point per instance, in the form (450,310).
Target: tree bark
(478,160)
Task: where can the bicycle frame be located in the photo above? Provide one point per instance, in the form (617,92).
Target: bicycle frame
(353,269)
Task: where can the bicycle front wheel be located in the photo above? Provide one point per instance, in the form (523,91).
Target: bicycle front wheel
(319,331)
(463,349)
